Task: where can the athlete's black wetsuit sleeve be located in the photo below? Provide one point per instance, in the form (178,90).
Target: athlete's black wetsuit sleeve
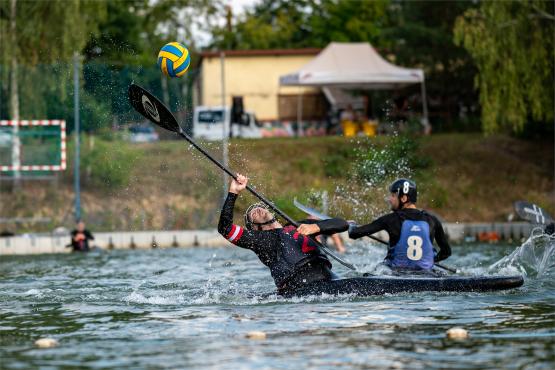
(332,226)
(329,226)
(89,235)
(261,242)
(369,229)
(442,242)
(226,215)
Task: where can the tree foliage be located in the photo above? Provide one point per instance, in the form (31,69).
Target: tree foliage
(118,39)
(512,45)
(278,24)
(49,31)
(126,49)
(134,30)
(420,34)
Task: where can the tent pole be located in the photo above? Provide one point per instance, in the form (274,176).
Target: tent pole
(300,113)
(425,122)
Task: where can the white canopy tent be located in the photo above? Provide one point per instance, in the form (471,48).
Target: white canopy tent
(348,66)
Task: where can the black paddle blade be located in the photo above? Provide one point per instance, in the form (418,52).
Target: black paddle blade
(532,213)
(152,108)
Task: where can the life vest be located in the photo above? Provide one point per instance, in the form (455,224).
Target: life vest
(414,250)
(294,251)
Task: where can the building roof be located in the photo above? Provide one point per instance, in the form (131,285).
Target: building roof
(260,52)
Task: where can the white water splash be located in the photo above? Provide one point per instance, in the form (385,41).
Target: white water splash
(136,297)
(534,258)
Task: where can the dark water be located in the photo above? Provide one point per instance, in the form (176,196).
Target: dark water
(191,308)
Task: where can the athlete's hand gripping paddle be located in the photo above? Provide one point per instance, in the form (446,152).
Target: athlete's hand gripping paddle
(153,109)
(322,216)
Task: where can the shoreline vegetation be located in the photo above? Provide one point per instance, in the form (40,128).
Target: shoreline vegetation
(167,186)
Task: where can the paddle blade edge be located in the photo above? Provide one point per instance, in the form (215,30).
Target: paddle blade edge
(151,108)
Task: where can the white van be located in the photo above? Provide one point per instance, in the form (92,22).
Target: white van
(208,123)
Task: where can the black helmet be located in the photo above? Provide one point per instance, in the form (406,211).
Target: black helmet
(404,187)
(249,223)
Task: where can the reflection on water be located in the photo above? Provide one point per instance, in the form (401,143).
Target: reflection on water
(180,308)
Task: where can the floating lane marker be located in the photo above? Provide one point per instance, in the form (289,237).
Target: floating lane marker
(46,343)
(457,333)
(260,335)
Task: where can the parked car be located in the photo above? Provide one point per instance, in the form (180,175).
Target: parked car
(208,123)
(5,138)
(142,134)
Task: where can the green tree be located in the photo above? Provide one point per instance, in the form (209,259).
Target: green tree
(274,24)
(41,32)
(512,45)
(420,34)
(126,49)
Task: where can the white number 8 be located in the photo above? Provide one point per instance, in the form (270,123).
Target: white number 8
(414,250)
(406,187)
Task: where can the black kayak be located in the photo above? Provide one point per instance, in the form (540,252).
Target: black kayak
(377,285)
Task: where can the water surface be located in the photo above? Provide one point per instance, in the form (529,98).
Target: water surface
(191,308)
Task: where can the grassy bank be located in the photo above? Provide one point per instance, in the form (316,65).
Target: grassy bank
(165,185)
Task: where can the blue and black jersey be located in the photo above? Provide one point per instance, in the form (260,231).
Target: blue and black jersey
(411,233)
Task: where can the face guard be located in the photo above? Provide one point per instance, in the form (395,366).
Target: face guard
(249,223)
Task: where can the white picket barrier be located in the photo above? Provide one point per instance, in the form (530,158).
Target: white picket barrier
(56,243)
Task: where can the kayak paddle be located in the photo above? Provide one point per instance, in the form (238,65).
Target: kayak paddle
(322,216)
(532,213)
(154,110)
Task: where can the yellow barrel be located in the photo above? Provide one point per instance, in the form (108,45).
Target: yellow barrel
(370,127)
(350,128)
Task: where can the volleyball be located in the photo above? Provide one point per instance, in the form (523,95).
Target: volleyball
(174,59)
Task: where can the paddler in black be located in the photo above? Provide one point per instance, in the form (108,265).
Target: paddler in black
(293,259)
(80,238)
(410,230)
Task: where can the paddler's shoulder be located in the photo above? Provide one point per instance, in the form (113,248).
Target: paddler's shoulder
(419,214)
(410,213)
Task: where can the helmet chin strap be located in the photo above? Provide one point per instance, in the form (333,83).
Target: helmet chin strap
(264,223)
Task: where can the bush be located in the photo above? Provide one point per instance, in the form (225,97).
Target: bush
(337,162)
(109,165)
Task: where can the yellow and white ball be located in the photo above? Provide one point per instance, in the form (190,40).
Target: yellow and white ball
(174,59)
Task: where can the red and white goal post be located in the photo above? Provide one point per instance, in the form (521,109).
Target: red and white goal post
(16,165)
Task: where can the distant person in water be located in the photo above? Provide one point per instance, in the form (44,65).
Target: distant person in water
(293,259)
(80,238)
(411,231)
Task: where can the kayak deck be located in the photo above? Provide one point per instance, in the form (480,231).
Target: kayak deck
(378,285)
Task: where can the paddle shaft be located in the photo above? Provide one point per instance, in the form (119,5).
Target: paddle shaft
(154,110)
(262,198)
(226,170)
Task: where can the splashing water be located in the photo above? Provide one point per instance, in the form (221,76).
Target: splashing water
(534,258)
(364,195)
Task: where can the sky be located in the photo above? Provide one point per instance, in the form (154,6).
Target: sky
(238,6)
